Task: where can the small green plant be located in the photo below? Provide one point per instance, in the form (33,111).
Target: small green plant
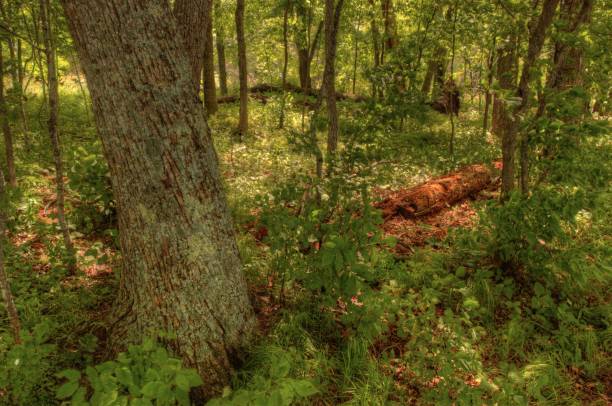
(25,367)
(275,387)
(144,374)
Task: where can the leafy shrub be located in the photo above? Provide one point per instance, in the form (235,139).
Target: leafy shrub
(25,368)
(89,177)
(331,248)
(274,386)
(143,374)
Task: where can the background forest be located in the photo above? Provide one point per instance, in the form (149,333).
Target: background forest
(276,202)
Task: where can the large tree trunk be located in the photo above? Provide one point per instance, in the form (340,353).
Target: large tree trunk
(210,90)
(6,128)
(53,132)
(220,30)
(333,12)
(181,267)
(243,124)
(191,22)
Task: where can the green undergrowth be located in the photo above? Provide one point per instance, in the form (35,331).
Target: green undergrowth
(513,311)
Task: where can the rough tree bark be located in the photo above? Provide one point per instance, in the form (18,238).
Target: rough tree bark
(191,16)
(181,267)
(243,124)
(6,129)
(53,132)
(220,30)
(210,90)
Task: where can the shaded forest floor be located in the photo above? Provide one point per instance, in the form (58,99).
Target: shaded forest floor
(456,307)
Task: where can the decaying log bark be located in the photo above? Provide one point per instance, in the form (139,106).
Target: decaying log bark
(436,194)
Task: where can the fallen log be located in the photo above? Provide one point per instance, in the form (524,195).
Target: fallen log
(260,97)
(436,194)
(257,92)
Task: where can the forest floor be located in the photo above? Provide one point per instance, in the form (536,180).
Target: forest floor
(428,316)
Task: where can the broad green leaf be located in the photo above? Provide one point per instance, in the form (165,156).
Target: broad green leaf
(67,390)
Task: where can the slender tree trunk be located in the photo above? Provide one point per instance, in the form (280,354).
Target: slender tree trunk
(566,71)
(537,37)
(488,95)
(243,125)
(502,117)
(6,129)
(440,60)
(210,90)
(17,77)
(451,99)
(306,54)
(512,117)
(86,101)
(38,52)
(376,43)
(429,72)
(221,50)
(333,12)
(304,69)
(388,13)
(426,87)
(191,17)
(53,130)
(21,95)
(355,57)
(435,73)
(5,288)
(281,120)
(182,271)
